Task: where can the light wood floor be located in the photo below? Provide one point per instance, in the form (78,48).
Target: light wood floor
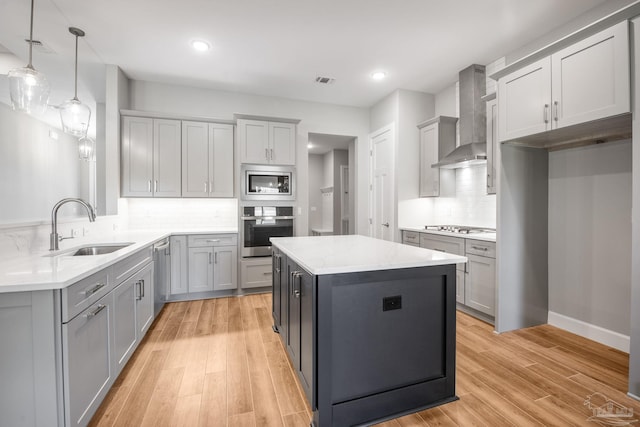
(218,363)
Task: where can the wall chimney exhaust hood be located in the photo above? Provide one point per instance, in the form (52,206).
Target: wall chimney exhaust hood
(473,121)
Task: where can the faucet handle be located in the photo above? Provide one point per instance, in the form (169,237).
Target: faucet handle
(60,238)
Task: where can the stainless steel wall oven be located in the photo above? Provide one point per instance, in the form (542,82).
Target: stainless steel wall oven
(259,223)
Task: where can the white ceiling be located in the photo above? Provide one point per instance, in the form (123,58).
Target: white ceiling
(278,47)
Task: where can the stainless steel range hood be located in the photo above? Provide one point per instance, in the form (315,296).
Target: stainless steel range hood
(473,121)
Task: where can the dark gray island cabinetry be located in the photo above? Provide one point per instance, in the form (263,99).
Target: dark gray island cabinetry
(369,325)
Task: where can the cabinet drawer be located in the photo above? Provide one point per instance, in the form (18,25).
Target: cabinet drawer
(82,294)
(212,240)
(256,273)
(125,268)
(480,247)
(450,245)
(411,237)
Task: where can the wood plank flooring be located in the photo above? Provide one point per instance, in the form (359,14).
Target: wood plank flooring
(218,363)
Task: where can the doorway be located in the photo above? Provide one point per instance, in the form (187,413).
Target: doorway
(331,182)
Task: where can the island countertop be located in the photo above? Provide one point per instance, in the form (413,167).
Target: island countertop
(354,253)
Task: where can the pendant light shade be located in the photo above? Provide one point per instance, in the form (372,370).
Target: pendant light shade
(86,149)
(74,114)
(28,88)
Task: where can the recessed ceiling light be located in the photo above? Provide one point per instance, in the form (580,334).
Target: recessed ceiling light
(200,45)
(378,75)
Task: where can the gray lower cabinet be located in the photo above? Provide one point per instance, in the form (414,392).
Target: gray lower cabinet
(63,349)
(480,284)
(300,344)
(202,264)
(86,359)
(179,266)
(124,322)
(293,311)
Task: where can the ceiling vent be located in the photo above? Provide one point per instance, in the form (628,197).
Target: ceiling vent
(40,47)
(324,80)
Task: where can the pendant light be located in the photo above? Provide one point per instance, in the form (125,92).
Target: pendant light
(29,89)
(86,149)
(74,114)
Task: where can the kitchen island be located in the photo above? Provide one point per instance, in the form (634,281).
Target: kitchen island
(369,325)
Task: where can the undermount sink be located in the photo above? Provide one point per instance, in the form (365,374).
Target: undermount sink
(99,250)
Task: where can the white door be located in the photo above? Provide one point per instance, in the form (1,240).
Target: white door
(382,173)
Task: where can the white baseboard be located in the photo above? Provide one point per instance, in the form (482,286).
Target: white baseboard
(592,332)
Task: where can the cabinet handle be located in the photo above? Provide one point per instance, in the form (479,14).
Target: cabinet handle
(155,186)
(555,111)
(210,186)
(209,257)
(95,312)
(138,285)
(277,263)
(149,186)
(206,190)
(439,250)
(266,153)
(386,224)
(93,290)
(142,287)
(213,240)
(480,248)
(267,273)
(546,113)
(296,291)
(215,257)
(271,154)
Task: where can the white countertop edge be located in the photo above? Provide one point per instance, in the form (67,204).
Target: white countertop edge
(487,237)
(374,265)
(87,265)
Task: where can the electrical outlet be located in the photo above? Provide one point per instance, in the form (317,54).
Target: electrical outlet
(75,232)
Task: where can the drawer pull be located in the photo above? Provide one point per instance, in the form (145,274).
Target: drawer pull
(93,290)
(95,312)
(480,248)
(267,273)
(213,240)
(439,250)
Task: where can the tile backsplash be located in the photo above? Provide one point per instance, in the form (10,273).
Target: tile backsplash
(145,214)
(471,205)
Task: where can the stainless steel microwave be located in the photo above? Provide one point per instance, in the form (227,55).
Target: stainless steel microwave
(262,182)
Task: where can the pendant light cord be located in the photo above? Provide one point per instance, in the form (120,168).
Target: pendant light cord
(75,92)
(31,38)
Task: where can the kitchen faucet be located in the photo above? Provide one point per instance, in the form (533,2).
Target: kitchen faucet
(53,237)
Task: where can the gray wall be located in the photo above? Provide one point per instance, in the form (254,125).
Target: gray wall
(36,171)
(590,234)
(316,177)
(340,157)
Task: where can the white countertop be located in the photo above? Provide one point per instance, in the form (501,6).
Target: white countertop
(57,270)
(353,253)
(488,237)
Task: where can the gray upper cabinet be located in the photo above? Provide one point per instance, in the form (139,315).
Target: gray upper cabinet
(267,142)
(151,150)
(492,145)
(207,159)
(586,81)
(437,139)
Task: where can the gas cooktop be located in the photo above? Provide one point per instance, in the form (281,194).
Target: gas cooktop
(460,229)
